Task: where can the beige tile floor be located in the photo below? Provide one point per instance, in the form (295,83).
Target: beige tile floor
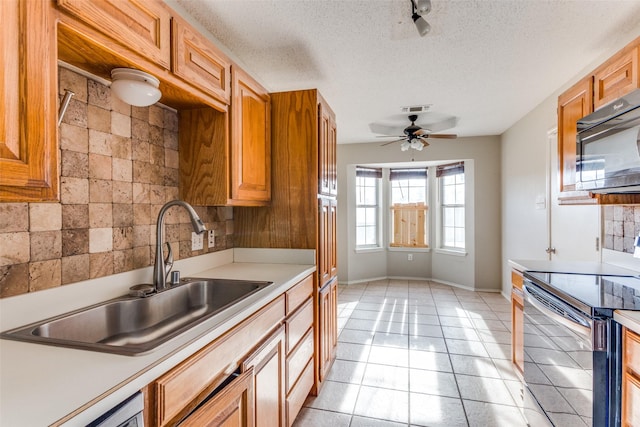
(418,353)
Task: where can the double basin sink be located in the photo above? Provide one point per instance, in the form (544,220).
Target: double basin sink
(134,325)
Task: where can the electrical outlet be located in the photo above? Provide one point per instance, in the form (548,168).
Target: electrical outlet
(197,241)
(410,257)
(211,240)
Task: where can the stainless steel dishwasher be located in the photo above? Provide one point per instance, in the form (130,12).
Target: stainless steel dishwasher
(126,414)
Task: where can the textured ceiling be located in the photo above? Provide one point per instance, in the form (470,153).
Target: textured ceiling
(486,62)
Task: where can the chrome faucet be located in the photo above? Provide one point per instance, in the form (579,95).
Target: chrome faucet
(162,267)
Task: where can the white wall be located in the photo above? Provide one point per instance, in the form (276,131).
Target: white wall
(480,269)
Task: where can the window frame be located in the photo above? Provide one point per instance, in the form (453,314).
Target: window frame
(442,172)
(376,174)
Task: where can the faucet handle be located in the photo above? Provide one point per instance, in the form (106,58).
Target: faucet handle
(168,261)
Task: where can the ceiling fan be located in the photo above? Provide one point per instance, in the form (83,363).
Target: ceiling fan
(416,137)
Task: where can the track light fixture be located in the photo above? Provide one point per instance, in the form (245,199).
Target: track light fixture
(419,9)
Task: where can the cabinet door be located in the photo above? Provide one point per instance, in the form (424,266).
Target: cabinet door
(268,364)
(328,184)
(232,407)
(141,25)
(328,328)
(630,378)
(28,140)
(324,240)
(573,104)
(616,77)
(250,141)
(332,243)
(199,62)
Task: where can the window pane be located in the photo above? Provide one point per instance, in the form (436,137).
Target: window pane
(459,194)
(448,217)
(448,237)
(370,194)
(360,236)
(459,217)
(370,235)
(361,218)
(459,236)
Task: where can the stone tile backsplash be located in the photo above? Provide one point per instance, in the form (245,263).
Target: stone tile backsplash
(621,225)
(118,166)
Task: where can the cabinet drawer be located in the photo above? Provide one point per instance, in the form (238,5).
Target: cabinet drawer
(199,62)
(300,391)
(630,401)
(632,351)
(299,293)
(177,391)
(143,26)
(297,361)
(298,324)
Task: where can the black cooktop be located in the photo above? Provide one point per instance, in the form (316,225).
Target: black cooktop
(591,293)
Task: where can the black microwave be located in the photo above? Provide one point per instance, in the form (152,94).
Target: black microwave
(608,148)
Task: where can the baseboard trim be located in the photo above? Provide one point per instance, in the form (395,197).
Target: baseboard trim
(442,282)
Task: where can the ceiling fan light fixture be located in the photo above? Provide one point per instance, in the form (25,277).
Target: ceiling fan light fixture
(405,145)
(416,144)
(422,25)
(423,7)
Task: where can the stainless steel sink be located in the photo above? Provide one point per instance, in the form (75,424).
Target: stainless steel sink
(131,325)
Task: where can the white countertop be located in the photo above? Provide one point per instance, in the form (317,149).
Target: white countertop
(43,385)
(630,319)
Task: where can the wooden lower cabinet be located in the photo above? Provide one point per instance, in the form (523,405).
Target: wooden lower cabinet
(517,322)
(630,378)
(232,407)
(267,363)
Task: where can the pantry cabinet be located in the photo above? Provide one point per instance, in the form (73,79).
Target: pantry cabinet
(300,216)
(144,25)
(616,77)
(28,87)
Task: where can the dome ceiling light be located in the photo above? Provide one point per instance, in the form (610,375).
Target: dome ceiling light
(135,87)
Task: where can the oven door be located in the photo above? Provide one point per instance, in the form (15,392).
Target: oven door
(562,371)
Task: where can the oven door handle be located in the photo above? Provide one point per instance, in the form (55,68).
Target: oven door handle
(578,323)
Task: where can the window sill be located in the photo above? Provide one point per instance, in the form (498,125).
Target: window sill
(368,250)
(406,249)
(451,252)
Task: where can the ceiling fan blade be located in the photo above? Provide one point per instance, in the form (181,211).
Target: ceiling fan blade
(421,132)
(390,136)
(391,142)
(442,135)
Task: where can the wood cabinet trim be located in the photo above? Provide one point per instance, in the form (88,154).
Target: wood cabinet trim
(298,324)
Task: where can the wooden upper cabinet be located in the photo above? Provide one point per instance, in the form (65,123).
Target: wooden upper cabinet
(199,62)
(618,76)
(28,87)
(328,183)
(144,25)
(250,141)
(573,104)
